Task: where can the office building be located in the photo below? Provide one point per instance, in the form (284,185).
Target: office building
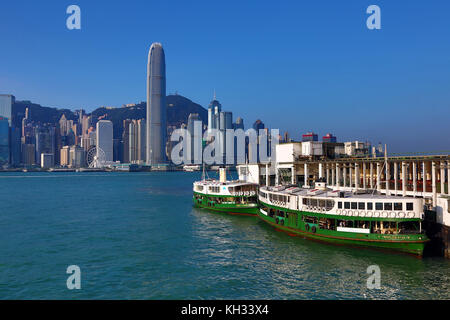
(309,136)
(156,106)
(47,160)
(105,139)
(4,142)
(6,103)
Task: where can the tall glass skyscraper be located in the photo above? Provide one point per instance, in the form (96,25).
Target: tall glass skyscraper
(156,106)
(4,141)
(6,102)
(105,138)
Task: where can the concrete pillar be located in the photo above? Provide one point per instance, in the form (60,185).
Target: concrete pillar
(328,173)
(404,178)
(333,175)
(344,175)
(378,176)
(320,170)
(357,176)
(388,177)
(424,178)
(442,177)
(448,177)
(306,174)
(364,176)
(395,177)
(350,175)
(433,182)
(267,175)
(371,175)
(414,168)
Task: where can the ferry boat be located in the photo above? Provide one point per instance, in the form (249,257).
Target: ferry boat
(340,217)
(232,197)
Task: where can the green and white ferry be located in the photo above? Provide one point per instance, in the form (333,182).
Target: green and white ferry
(231,197)
(340,217)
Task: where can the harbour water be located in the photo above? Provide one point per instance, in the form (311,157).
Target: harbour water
(136,236)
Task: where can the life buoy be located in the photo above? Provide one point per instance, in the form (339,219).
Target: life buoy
(307,227)
(362,214)
(338,211)
(376,214)
(313,229)
(369,214)
(392,214)
(350,212)
(401,214)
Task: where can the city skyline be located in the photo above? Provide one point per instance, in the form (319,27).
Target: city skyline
(318,64)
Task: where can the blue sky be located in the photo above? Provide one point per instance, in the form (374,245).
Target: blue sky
(296,65)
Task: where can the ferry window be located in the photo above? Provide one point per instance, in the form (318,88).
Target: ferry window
(369,206)
(409,206)
(448,205)
(388,206)
(354,205)
(309,219)
(329,205)
(361,205)
(378,206)
(321,203)
(347,205)
(314,202)
(340,205)
(304,201)
(398,206)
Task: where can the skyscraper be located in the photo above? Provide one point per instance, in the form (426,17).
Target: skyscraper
(45,141)
(156,106)
(105,138)
(258,125)
(239,123)
(6,102)
(136,141)
(4,141)
(214,110)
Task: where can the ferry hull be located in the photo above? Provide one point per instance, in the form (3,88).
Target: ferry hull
(232,209)
(414,246)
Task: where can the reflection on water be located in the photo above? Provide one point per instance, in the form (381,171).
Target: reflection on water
(276,265)
(136,236)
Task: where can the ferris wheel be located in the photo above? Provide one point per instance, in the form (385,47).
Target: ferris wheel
(95,157)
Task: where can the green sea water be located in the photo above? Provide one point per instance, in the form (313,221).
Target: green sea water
(136,236)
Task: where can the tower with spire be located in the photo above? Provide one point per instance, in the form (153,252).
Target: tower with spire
(214,110)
